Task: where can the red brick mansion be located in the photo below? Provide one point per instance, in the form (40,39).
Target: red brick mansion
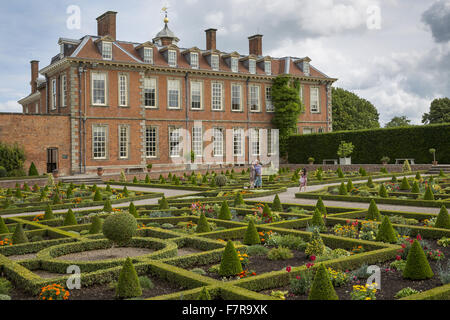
(103,102)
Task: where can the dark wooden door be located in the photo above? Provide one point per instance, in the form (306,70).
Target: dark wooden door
(52,159)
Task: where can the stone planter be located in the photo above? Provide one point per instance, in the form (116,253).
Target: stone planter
(99,172)
(435,163)
(345,161)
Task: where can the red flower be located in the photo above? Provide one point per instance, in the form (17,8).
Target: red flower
(309,265)
(288,269)
(398,258)
(312,258)
(419,237)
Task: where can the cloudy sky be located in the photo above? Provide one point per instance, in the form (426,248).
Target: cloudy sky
(394,53)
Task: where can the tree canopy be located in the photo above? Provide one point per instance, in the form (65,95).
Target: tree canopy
(439,112)
(351,112)
(402,121)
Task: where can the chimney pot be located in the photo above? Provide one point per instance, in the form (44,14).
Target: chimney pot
(211,39)
(34,75)
(255,44)
(106,24)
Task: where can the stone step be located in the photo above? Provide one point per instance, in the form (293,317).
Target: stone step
(436,169)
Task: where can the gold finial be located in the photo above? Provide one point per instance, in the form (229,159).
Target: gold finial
(166,19)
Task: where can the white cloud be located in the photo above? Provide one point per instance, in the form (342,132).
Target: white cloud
(10,106)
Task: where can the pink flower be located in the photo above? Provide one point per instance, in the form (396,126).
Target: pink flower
(288,269)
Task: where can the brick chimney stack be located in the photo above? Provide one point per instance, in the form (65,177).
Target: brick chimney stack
(255,44)
(106,24)
(34,75)
(211,39)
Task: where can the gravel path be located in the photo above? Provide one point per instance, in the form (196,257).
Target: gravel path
(106,254)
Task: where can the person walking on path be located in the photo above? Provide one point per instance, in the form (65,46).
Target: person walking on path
(303,180)
(258,173)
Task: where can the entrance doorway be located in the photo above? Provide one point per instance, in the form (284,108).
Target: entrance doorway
(52,159)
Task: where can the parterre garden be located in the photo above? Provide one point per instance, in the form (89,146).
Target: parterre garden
(218,243)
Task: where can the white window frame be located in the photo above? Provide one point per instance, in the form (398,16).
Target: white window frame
(124,141)
(148,55)
(194,60)
(305,131)
(96,77)
(172,58)
(107,50)
(238,142)
(36,106)
(270,142)
(150,87)
(151,142)
(314,100)
(54,99)
(172,87)
(234,64)
(100,142)
(63,91)
(268,67)
(174,142)
(215,62)
(233,97)
(252,66)
(255,141)
(269,104)
(197,141)
(218,142)
(123,90)
(196,95)
(254,98)
(216,96)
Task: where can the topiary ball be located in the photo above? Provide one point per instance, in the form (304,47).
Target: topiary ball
(120,227)
(220,180)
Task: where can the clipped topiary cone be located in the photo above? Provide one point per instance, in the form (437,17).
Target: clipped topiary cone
(107,207)
(125,192)
(321,206)
(96,225)
(415,188)
(405,184)
(322,288)
(132,210)
(163,204)
(48,213)
(350,185)
(276,205)
(3,227)
(418,176)
(204,295)
(340,173)
(147,179)
(386,232)
(203,225)
(108,188)
(382,192)
(343,189)
(443,220)
(394,179)
(230,265)
(238,200)
(373,213)
(417,266)
(251,236)
(70,219)
(19,236)
(428,194)
(225,213)
(370,182)
(128,285)
(317,219)
(97,195)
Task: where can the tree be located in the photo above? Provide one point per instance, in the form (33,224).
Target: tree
(439,112)
(402,121)
(351,112)
(286,100)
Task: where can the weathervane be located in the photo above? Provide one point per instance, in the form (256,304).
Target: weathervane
(165,9)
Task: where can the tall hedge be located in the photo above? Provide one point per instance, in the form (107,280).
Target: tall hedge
(372,145)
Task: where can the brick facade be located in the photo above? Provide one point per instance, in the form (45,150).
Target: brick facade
(124,76)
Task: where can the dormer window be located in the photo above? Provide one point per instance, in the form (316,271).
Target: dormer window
(268,67)
(61,52)
(252,66)
(172,58)
(215,62)
(148,55)
(306,67)
(107,50)
(234,65)
(194,60)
